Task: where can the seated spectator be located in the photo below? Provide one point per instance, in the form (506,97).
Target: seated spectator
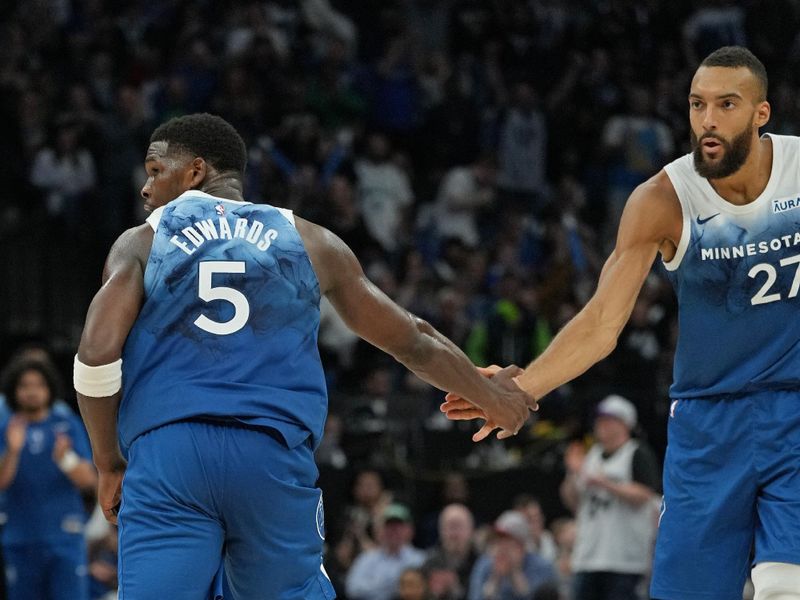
(412,586)
(542,541)
(443,581)
(508,571)
(370,498)
(564,536)
(376,573)
(450,562)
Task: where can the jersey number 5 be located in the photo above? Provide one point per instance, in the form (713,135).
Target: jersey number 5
(207,292)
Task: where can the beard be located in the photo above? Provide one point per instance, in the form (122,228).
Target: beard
(734,155)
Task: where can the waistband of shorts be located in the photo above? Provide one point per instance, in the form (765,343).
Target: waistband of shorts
(236,424)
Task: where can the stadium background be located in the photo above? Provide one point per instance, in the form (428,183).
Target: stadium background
(474,153)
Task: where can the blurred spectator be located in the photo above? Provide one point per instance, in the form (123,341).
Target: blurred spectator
(514,332)
(375,573)
(522,151)
(370,499)
(103,566)
(713,24)
(563,530)
(331,93)
(339,559)
(413,585)
(321,16)
(466,192)
(443,581)
(384,192)
(612,489)
(509,571)
(337,342)
(45,464)
(330,452)
(391,82)
(36,352)
(637,144)
(542,542)
(66,173)
(450,562)
(125,133)
(343,215)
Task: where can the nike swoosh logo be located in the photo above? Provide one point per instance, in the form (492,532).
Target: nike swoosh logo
(706,220)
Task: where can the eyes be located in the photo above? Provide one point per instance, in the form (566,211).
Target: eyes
(699,104)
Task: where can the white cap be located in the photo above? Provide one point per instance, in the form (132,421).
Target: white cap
(513,524)
(619,408)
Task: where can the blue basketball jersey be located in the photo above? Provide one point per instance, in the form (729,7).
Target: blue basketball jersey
(42,504)
(737,277)
(228,327)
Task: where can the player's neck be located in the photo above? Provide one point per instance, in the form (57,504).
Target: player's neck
(224,186)
(749,181)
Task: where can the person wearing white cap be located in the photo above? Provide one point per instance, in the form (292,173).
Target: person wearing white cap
(509,570)
(612,490)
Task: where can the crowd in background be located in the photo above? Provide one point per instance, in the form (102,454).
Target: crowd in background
(475,154)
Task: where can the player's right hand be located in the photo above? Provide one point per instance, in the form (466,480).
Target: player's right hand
(109,490)
(509,411)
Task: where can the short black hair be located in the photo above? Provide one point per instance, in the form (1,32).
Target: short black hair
(207,136)
(17,368)
(733,57)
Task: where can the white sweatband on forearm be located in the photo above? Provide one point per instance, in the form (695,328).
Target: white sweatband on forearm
(97,382)
(69,461)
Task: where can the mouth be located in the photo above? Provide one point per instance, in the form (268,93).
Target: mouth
(711,145)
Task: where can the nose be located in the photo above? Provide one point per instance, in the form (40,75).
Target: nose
(146,190)
(709,119)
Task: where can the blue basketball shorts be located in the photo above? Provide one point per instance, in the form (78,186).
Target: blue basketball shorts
(731,486)
(196,495)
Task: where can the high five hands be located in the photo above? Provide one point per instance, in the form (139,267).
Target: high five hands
(458,409)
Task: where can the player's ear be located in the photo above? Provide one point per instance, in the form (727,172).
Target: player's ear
(763,111)
(198,172)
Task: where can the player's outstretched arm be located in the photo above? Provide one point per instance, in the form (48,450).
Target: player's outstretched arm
(651,222)
(109,319)
(411,340)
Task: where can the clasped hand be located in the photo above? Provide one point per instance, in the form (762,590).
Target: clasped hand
(508,414)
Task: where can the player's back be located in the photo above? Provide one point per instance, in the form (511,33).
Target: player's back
(737,276)
(228,328)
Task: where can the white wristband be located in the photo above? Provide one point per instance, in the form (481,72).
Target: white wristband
(69,461)
(97,382)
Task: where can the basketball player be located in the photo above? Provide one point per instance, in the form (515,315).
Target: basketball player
(726,220)
(213,305)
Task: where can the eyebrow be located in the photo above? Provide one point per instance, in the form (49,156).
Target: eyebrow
(720,97)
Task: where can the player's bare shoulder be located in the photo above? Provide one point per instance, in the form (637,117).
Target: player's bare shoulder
(653,213)
(132,246)
(658,194)
(330,257)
